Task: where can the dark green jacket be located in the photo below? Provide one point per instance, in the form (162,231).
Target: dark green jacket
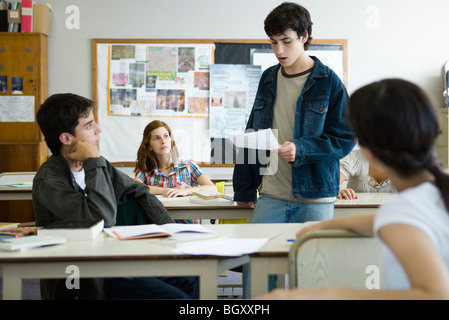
(57,196)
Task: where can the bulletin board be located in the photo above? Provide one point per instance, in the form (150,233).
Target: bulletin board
(136,81)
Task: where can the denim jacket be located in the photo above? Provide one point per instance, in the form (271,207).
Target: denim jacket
(321,136)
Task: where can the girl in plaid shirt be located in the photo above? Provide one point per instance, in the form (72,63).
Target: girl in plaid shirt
(158,165)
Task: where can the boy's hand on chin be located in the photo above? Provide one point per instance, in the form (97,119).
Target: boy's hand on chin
(81,150)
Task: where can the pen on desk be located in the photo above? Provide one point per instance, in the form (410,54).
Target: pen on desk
(291,240)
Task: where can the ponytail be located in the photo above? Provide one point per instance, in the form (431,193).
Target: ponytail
(441,180)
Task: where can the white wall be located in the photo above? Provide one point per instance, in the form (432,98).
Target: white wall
(410,40)
(386,38)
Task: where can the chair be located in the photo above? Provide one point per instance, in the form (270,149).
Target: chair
(130,213)
(324,258)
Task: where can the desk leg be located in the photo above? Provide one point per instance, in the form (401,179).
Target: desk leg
(12,283)
(207,271)
(261,268)
(208,285)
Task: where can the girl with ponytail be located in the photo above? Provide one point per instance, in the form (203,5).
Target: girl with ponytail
(396,127)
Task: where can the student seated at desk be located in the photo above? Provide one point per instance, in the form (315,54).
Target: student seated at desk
(413,226)
(361,176)
(77,184)
(158,165)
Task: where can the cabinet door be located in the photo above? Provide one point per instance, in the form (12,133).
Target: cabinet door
(20,58)
(22,55)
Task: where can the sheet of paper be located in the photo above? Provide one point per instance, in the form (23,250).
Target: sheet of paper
(261,140)
(161,198)
(17,108)
(17,180)
(222,247)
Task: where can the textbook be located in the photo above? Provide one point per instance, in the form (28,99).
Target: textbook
(225,201)
(73,230)
(28,242)
(157,231)
(208,194)
(17,232)
(4,225)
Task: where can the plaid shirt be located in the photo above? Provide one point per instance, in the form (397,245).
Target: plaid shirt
(186,172)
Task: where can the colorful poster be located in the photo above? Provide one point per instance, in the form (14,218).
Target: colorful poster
(159,80)
(233,89)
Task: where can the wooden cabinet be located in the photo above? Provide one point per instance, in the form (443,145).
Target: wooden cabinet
(23,56)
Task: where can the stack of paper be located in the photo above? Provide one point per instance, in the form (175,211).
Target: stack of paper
(29,242)
(229,247)
(73,230)
(208,194)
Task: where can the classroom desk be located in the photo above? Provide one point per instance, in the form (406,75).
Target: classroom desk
(184,208)
(366,203)
(15,193)
(272,258)
(110,257)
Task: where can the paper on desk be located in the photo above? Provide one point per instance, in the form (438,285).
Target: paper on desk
(161,198)
(261,140)
(222,247)
(15,183)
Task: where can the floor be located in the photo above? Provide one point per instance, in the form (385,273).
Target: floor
(229,287)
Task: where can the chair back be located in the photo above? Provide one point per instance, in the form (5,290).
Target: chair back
(325,258)
(130,213)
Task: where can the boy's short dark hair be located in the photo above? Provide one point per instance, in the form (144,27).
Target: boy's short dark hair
(286,16)
(61,113)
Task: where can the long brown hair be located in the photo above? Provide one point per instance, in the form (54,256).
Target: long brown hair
(146,158)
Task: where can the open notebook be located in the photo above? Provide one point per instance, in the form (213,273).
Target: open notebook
(175,230)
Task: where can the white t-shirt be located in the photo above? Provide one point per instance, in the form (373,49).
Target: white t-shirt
(421,207)
(356,169)
(79,178)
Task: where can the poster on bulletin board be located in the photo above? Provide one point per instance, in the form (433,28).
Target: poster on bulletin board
(233,89)
(159,80)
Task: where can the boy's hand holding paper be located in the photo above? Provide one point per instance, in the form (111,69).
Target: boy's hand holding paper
(260,140)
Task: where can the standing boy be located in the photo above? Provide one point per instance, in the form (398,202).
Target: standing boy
(77,184)
(303,101)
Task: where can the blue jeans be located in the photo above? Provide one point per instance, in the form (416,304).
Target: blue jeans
(271,210)
(151,288)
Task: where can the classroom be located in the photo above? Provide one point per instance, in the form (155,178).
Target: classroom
(381,40)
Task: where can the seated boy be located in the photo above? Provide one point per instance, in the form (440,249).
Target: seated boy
(77,184)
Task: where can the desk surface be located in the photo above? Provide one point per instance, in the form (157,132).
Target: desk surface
(365,200)
(108,248)
(105,256)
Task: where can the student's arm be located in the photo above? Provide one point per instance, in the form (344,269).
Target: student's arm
(362,223)
(185,190)
(426,270)
(346,169)
(347,193)
(54,194)
(342,177)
